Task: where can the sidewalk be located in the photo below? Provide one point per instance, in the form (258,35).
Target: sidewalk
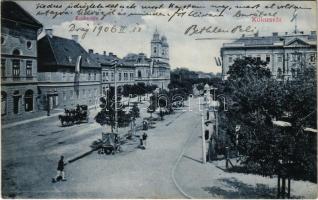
(40,115)
(211,181)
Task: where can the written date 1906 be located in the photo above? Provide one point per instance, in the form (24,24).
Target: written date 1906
(84,29)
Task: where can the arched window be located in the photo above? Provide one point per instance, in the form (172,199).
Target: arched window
(16,52)
(28,101)
(3,103)
(139,74)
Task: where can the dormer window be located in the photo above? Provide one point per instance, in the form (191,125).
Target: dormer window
(29,44)
(16,52)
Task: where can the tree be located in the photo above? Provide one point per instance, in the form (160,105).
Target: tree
(106,116)
(256,100)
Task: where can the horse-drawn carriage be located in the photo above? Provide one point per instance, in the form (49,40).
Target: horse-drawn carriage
(77,115)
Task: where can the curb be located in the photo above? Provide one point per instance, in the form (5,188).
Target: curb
(175,167)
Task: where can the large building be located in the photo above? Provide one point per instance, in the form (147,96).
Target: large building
(137,68)
(66,72)
(287,55)
(19,34)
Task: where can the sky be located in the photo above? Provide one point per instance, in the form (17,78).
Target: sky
(184,50)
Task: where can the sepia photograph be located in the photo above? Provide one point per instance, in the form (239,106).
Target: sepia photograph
(144,99)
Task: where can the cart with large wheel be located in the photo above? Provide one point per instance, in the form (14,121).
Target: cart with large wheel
(110,144)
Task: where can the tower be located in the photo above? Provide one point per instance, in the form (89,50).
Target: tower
(159,48)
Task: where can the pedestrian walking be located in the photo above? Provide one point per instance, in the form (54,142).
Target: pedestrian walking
(144,138)
(60,170)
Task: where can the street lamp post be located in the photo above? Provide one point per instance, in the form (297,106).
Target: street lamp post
(115,85)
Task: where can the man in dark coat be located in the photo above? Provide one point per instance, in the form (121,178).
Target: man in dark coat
(60,169)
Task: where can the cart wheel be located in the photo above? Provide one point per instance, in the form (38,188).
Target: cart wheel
(108,151)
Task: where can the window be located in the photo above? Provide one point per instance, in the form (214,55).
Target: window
(89,76)
(16,68)
(104,74)
(112,76)
(268,58)
(29,44)
(279,59)
(230,59)
(131,76)
(95,76)
(155,49)
(258,58)
(16,52)
(3,68)
(119,76)
(125,76)
(29,68)
(3,103)
(139,74)
(16,99)
(28,100)
(312,58)
(64,96)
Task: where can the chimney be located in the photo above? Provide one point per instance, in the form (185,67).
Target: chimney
(104,52)
(110,54)
(301,32)
(90,51)
(313,32)
(286,33)
(49,32)
(275,33)
(75,38)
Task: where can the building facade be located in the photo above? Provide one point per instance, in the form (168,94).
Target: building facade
(287,55)
(19,34)
(67,74)
(136,68)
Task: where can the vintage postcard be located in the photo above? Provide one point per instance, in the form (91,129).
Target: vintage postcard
(158,99)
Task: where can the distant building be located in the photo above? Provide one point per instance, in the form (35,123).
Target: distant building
(67,74)
(137,68)
(19,33)
(286,55)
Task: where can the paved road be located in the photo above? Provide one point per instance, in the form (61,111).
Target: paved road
(138,174)
(30,153)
